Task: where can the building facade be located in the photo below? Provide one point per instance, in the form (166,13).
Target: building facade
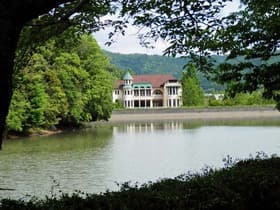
(148,91)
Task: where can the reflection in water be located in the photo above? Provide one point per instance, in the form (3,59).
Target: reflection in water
(92,160)
(72,140)
(31,165)
(145,127)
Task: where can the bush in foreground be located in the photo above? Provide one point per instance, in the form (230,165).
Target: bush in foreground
(247,184)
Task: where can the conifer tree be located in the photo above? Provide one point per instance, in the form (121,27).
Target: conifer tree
(193,94)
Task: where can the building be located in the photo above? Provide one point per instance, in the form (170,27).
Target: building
(148,91)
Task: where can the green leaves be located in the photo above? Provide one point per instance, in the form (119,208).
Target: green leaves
(187,26)
(17,115)
(62,85)
(99,105)
(199,29)
(193,94)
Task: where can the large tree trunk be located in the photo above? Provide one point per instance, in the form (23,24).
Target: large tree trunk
(13,16)
(8,41)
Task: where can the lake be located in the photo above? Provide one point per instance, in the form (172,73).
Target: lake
(97,158)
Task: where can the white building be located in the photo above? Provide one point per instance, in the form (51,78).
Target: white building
(147,91)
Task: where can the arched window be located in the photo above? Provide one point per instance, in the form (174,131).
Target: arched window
(157,92)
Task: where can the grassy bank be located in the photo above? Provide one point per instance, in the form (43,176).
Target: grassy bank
(247,184)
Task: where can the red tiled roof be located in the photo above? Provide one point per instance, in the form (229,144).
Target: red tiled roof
(155,79)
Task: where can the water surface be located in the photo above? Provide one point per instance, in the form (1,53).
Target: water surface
(94,159)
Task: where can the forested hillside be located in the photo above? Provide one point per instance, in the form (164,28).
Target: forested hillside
(150,64)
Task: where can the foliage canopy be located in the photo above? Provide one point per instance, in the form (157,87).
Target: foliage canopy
(62,85)
(193,94)
(198,29)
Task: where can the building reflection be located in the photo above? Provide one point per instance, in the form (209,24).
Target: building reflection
(145,127)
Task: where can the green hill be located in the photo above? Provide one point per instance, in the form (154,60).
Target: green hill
(156,64)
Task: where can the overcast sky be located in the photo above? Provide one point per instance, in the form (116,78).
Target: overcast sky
(130,44)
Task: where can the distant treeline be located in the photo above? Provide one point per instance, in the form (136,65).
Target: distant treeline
(156,64)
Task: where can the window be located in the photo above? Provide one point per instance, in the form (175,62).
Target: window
(142,92)
(136,92)
(127,92)
(172,90)
(169,102)
(127,82)
(136,104)
(158,92)
(148,92)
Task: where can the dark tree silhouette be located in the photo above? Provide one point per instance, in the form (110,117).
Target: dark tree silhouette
(14,15)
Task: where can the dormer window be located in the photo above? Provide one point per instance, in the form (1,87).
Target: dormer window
(127,82)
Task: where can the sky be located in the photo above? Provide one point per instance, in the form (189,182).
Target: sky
(129,43)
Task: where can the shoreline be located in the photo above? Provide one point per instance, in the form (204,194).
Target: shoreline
(195,114)
(43,132)
(180,114)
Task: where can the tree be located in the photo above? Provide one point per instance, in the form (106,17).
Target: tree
(30,97)
(253,36)
(198,29)
(35,21)
(193,94)
(61,85)
(97,65)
